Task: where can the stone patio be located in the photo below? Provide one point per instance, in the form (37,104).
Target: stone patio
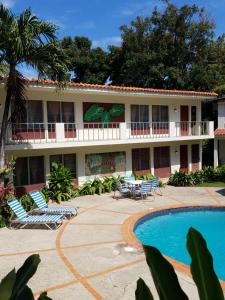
(86,258)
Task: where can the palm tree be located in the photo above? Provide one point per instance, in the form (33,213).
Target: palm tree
(25,39)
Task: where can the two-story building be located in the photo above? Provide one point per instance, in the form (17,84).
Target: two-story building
(102,130)
(219,141)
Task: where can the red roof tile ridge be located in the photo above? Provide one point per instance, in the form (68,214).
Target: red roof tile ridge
(219,131)
(114,87)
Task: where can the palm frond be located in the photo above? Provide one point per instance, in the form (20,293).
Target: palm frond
(18,100)
(49,59)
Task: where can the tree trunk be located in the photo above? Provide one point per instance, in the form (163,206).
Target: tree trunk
(10,93)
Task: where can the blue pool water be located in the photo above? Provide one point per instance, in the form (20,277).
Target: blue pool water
(167,231)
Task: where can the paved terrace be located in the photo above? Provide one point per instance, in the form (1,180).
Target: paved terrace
(86,258)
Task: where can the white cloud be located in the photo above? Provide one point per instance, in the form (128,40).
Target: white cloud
(105,42)
(8,3)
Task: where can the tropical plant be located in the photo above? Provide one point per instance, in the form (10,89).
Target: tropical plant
(27,202)
(165,278)
(25,39)
(14,285)
(60,184)
(180,178)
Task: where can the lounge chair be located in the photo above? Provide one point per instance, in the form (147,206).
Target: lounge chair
(144,190)
(43,207)
(123,189)
(51,222)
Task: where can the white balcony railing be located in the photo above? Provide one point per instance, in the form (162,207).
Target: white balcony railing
(34,133)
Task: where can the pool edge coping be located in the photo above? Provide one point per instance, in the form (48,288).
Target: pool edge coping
(130,238)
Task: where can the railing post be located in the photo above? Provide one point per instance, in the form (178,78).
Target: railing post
(172,129)
(123,131)
(59,132)
(210,127)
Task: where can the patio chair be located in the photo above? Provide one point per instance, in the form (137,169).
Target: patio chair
(51,222)
(155,185)
(144,190)
(43,207)
(122,188)
(129,178)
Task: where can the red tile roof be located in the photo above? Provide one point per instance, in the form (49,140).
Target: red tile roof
(119,88)
(219,131)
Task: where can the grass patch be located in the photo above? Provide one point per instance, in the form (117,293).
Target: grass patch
(212,184)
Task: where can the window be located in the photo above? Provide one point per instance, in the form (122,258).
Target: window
(160,113)
(141,161)
(29,170)
(34,112)
(139,113)
(60,112)
(68,160)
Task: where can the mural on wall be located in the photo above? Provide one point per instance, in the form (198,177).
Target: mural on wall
(105,163)
(103,112)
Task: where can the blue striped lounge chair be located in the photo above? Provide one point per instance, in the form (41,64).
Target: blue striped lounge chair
(144,190)
(43,207)
(51,222)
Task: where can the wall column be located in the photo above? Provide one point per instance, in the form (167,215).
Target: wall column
(152,160)
(78,112)
(127,113)
(216,155)
(189,158)
(80,167)
(45,118)
(175,158)
(200,155)
(129,161)
(46,166)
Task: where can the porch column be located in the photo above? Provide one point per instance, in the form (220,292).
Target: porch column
(129,161)
(189,158)
(81,167)
(46,166)
(200,155)
(152,160)
(45,118)
(216,155)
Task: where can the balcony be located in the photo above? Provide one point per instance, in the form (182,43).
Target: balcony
(84,134)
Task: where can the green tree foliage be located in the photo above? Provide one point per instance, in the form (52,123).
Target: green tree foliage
(90,65)
(172,49)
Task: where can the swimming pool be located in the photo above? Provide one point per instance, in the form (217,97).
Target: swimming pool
(167,230)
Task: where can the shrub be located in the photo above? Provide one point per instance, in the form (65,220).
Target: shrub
(60,183)
(144,177)
(165,278)
(99,186)
(180,179)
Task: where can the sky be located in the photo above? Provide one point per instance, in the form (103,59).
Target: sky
(100,19)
